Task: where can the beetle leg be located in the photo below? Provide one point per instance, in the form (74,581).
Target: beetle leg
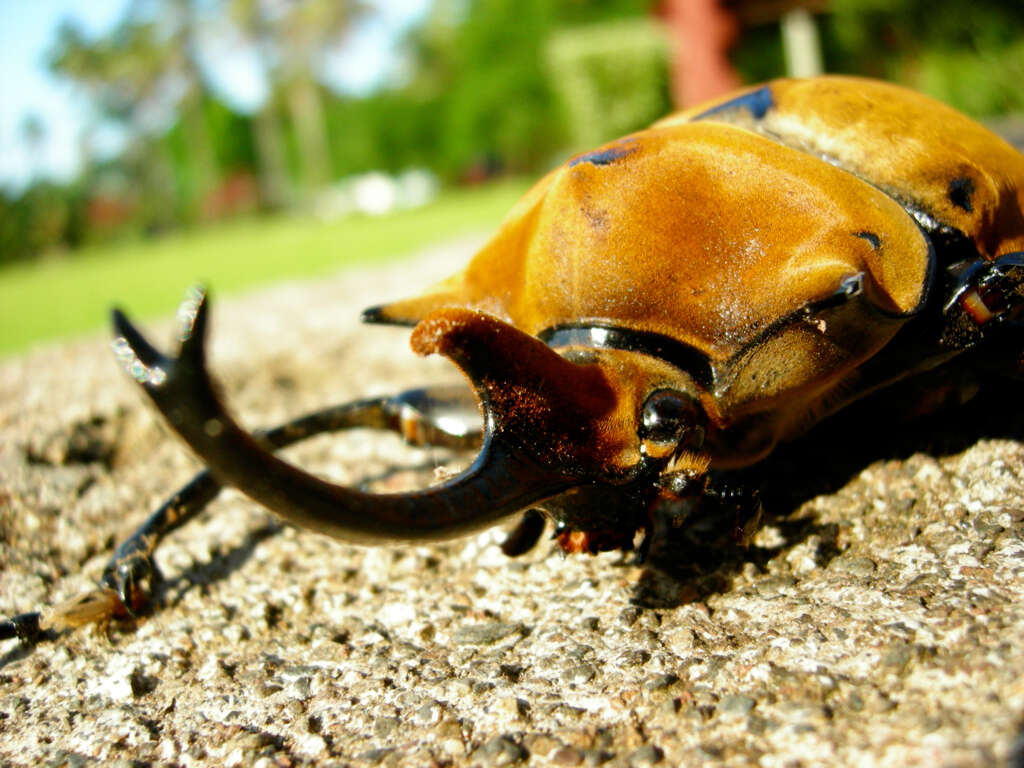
(24,626)
(745,503)
(985,296)
(440,416)
(1002,352)
(723,494)
(735,496)
(525,535)
(435,416)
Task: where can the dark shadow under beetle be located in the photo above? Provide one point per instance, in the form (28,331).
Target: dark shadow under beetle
(702,557)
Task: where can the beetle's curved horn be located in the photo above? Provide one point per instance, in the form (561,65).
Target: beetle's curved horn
(532,402)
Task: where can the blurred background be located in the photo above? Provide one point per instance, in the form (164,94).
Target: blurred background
(148,143)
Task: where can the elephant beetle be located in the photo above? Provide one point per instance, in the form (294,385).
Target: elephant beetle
(651,318)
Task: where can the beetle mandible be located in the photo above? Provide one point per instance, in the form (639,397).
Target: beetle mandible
(650,317)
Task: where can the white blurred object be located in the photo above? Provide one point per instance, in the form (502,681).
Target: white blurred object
(377,193)
(417,187)
(374,193)
(802,44)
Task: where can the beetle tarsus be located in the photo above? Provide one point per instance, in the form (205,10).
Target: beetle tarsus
(24,626)
(132,575)
(738,499)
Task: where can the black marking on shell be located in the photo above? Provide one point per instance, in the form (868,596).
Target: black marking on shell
(959,193)
(758,103)
(871,237)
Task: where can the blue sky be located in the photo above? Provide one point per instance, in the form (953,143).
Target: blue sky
(28,28)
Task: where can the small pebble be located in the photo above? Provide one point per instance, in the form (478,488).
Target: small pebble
(736,705)
(374,756)
(661,682)
(773,586)
(648,754)
(500,751)
(861,567)
(485,634)
(429,714)
(567,756)
(578,673)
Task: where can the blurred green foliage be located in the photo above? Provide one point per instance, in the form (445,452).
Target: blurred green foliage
(610,77)
(481,98)
(496,91)
(59,297)
(970,55)
(492,86)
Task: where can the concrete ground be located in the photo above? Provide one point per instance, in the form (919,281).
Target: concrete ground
(877,620)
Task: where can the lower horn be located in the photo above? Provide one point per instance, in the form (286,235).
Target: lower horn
(506,477)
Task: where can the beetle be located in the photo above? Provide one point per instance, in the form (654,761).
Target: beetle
(653,317)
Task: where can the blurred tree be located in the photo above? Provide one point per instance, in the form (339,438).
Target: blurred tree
(89,64)
(33,134)
(292,36)
(124,74)
(140,78)
(256,27)
(498,100)
(611,77)
(492,84)
(179,26)
(36,221)
(970,55)
(183,24)
(486,63)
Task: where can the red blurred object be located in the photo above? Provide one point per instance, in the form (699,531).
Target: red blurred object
(238,193)
(106,213)
(703,32)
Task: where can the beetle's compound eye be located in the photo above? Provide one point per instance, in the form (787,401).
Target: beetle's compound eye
(669,421)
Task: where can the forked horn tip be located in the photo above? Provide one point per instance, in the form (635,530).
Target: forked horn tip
(140,359)
(193,317)
(125,329)
(144,362)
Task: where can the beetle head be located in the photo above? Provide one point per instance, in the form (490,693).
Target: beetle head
(623,428)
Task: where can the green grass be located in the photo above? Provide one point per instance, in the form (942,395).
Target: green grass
(71,295)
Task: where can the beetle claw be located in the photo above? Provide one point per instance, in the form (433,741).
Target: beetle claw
(132,577)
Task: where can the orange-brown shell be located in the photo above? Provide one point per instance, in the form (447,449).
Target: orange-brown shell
(718,227)
(922,152)
(702,231)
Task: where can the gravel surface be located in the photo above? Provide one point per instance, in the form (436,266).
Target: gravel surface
(876,620)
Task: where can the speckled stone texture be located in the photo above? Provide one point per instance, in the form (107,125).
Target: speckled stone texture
(876,620)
